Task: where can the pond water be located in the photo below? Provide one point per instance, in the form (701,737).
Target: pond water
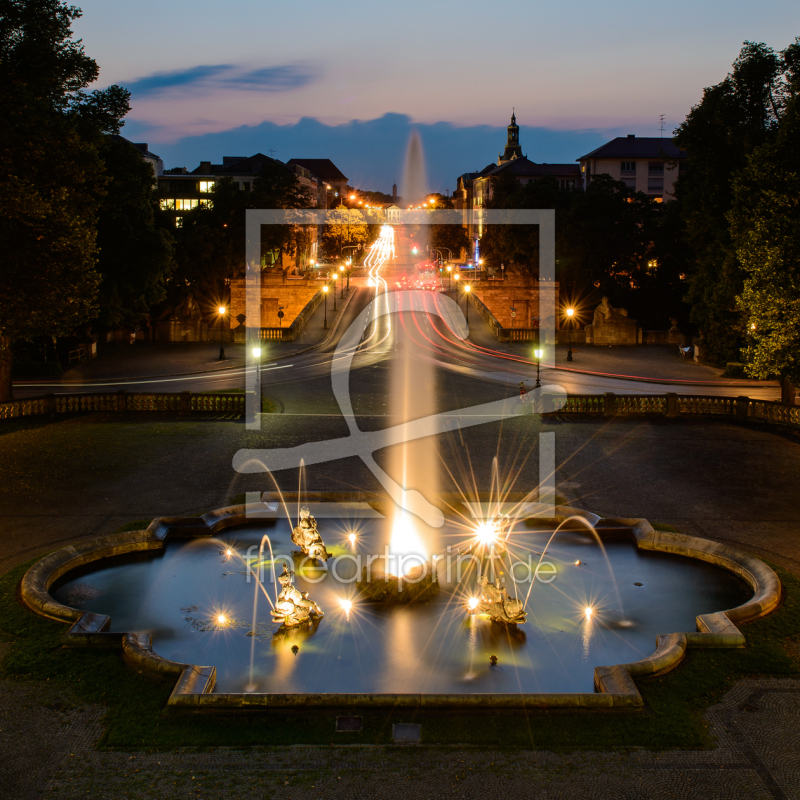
(177,594)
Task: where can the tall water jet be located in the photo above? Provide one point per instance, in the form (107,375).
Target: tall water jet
(413,395)
(415,181)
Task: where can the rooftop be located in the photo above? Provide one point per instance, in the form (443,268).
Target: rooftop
(637,147)
(323,168)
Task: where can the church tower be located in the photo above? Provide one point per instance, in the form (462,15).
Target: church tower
(513,149)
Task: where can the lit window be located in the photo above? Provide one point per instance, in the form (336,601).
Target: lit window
(178,222)
(206,203)
(167,205)
(186,205)
(207,186)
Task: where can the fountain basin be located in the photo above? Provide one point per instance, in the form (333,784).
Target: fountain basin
(432,654)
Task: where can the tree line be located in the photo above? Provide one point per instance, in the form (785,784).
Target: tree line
(724,256)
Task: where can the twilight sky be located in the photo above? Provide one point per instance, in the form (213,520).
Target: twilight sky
(348,79)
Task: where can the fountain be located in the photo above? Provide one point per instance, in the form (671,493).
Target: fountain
(306,536)
(395,576)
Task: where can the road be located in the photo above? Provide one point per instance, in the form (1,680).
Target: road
(432,338)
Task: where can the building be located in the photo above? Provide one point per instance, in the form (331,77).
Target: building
(181,190)
(155,162)
(332,182)
(646,164)
(474,189)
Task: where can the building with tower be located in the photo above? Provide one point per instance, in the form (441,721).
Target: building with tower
(474,189)
(513,149)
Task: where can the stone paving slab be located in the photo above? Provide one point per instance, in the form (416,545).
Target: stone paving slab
(757,756)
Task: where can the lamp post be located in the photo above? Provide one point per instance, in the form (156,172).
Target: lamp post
(570,313)
(538,354)
(325,292)
(221,310)
(350,269)
(341,278)
(467,290)
(257,357)
(449,279)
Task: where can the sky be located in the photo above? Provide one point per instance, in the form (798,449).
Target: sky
(349,80)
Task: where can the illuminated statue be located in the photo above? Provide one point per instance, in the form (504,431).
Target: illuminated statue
(497,604)
(293,607)
(307,538)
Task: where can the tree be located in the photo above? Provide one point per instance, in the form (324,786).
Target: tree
(51,175)
(345,226)
(765,230)
(452,237)
(734,117)
(210,247)
(135,256)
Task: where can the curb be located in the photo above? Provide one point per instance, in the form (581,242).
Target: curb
(615,687)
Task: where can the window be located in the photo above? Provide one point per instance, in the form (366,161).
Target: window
(655,168)
(630,182)
(207,186)
(655,185)
(186,205)
(167,205)
(178,222)
(206,203)
(628,166)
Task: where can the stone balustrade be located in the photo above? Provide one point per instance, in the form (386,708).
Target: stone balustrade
(608,405)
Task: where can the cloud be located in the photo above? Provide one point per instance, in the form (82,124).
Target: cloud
(281,78)
(371,152)
(159,81)
(275,79)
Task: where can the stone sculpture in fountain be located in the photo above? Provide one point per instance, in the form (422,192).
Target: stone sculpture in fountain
(496,603)
(293,607)
(306,536)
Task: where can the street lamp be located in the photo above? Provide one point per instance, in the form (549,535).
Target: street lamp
(221,310)
(341,278)
(257,357)
(570,313)
(538,354)
(467,290)
(449,278)
(325,292)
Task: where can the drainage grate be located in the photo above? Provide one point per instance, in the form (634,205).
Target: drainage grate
(348,724)
(406,732)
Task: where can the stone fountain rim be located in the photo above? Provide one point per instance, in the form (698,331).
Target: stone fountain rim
(614,685)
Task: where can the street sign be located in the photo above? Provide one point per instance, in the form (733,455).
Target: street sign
(280,315)
(513,312)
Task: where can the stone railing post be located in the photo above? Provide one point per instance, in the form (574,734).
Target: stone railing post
(186,403)
(672,404)
(742,404)
(122,401)
(49,404)
(608,404)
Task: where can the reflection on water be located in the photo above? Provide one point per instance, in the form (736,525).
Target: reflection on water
(435,647)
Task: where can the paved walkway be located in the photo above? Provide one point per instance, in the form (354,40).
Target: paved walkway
(48,752)
(653,362)
(143,359)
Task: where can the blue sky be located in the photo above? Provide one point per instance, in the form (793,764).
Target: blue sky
(347,80)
